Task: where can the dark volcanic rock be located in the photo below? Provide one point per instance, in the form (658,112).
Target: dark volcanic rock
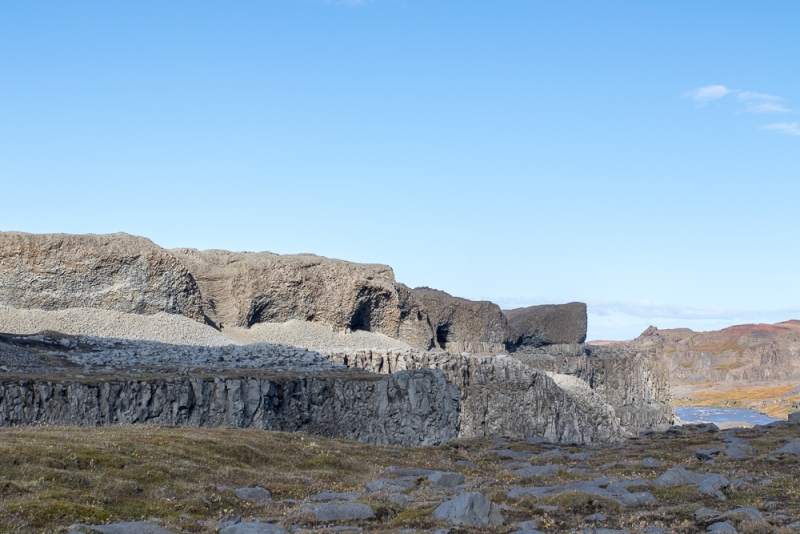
(551,324)
(462,325)
(408,408)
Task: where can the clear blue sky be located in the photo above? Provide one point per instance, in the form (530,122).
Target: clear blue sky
(643,157)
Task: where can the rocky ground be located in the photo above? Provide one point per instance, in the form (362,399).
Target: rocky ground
(161,479)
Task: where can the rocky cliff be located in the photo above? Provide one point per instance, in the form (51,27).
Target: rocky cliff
(115,272)
(408,408)
(503,397)
(130,274)
(756,365)
(632,380)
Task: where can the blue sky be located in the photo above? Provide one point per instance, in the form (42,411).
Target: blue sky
(643,157)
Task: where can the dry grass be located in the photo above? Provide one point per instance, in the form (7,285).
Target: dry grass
(51,477)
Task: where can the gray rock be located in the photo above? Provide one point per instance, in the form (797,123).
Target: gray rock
(527,531)
(256,494)
(470,508)
(678,476)
(409,408)
(794,418)
(528,525)
(654,530)
(253,527)
(796,524)
(615,490)
(650,462)
(722,526)
(545,508)
(340,511)
(790,448)
(596,517)
(446,480)
(133,527)
(467,463)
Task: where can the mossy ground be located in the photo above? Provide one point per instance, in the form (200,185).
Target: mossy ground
(51,477)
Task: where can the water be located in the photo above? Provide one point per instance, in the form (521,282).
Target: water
(706,414)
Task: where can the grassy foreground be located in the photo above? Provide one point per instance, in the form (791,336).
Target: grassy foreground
(51,477)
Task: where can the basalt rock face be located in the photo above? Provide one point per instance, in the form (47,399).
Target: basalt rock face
(634,381)
(116,272)
(503,397)
(551,324)
(243,288)
(408,408)
(462,325)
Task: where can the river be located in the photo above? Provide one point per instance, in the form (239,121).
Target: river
(707,414)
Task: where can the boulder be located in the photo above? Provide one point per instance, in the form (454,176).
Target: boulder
(790,448)
(256,494)
(678,476)
(446,480)
(721,526)
(471,509)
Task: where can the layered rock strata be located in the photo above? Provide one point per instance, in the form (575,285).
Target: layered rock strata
(503,397)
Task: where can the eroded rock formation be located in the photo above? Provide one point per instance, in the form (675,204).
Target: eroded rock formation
(116,272)
(462,325)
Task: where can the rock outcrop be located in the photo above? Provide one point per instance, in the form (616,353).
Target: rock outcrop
(503,397)
(550,324)
(462,325)
(408,408)
(245,288)
(115,272)
(634,382)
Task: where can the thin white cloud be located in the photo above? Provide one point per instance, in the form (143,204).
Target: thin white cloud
(788,128)
(704,95)
(762,103)
(752,95)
